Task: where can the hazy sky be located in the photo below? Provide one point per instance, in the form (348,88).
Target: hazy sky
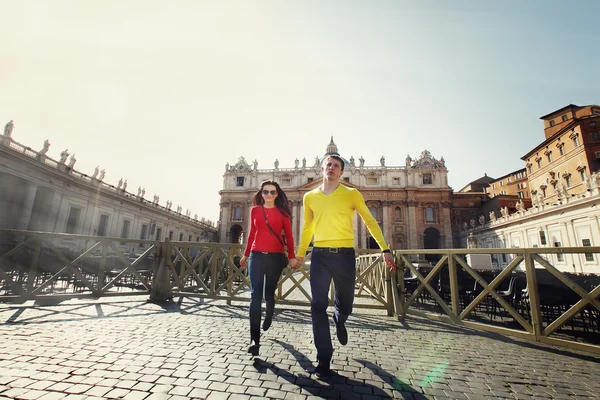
(165,93)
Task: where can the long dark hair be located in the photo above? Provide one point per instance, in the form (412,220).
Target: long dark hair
(281,201)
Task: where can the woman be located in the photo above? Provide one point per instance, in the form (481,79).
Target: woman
(265,253)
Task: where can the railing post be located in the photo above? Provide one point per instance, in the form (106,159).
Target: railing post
(102,268)
(401,304)
(161,283)
(230,276)
(533,293)
(453,283)
(33,269)
(389,295)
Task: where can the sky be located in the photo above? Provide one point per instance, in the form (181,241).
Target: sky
(164,94)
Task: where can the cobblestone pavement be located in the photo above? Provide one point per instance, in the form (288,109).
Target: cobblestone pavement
(126,348)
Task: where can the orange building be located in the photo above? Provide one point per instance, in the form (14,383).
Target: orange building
(514,184)
(562,165)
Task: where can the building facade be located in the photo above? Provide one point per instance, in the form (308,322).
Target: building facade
(38,193)
(563,164)
(410,202)
(563,177)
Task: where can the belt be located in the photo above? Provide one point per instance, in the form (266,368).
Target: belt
(334,249)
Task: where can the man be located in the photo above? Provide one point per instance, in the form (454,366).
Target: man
(328,214)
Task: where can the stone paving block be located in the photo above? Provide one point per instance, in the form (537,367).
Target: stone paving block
(32,394)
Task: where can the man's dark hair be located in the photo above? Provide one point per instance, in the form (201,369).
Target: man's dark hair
(336,157)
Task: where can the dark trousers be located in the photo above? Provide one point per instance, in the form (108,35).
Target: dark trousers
(325,266)
(264,270)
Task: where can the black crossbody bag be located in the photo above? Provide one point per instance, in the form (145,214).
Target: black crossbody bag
(281,240)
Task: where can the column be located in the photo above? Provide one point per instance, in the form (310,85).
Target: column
(225,217)
(413,240)
(386,226)
(27,207)
(447,223)
(53,212)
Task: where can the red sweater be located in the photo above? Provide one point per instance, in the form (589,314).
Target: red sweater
(260,237)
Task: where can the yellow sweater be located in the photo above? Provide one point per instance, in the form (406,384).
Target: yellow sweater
(329,218)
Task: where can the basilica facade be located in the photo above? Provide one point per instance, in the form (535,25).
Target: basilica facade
(411,202)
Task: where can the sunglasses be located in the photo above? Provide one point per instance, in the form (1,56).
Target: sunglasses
(271,192)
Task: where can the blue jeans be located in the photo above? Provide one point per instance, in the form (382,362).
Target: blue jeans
(264,270)
(324,266)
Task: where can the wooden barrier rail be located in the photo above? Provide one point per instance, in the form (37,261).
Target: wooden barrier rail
(38,265)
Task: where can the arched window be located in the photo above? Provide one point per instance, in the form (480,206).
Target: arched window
(398,214)
(429,215)
(373,210)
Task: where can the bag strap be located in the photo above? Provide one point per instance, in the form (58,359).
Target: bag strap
(271,229)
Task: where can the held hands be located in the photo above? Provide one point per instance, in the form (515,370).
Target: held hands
(298,262)
(243,261)
(389,261)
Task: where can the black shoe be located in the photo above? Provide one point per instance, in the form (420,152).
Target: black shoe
(323,370)
(253,348)
(267,321)
(341,332)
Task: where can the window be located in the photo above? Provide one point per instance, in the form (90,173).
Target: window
(237,213)
(539,162)
(567,180)
(559,256)
(371,181)
(551,122)
(529,170)
(159,234)
(397,214)
(564,118)
(588,256)
(520,194)
(286,182)
(74,213)
(170,235)
(429,215)
(144,232)
(576,141)
(125,229)
(181,237)
(592,124)
(543,238)
(582,175)
(309,179)
(561,150)
(347,179)
(102,225)
(190,238)
(549,156)
(427,179)
(396,181)
(240,181)
(595,136)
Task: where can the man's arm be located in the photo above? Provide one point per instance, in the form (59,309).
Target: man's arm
(371,223)
(307,229)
